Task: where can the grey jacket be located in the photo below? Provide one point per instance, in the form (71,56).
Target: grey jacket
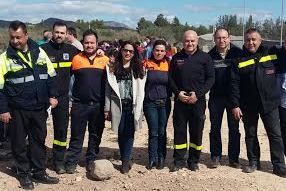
(113,101)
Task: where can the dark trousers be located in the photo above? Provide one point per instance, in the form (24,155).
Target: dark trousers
(217,105)
(156,114)
(60,120)
(126,132)
(272,127)
(31,157)
(81,115)
(3,136)
(282,114)
(194,116)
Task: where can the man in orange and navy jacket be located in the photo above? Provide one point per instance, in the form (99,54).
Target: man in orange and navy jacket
(88,102)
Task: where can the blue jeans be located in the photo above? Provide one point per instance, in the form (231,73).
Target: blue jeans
(217,105)
(157,113)
(126,132)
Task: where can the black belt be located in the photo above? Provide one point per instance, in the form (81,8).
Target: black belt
(89,103)
(126,103)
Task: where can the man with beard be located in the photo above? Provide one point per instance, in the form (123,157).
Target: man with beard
(61,55)
(88,102)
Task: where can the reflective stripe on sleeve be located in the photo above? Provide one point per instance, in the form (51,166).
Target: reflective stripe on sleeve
(43,76)
(64,64)
(268,58)
(246,63)
(21,80)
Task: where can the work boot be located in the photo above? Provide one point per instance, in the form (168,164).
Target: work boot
(90,166)
(44,178)
(193,166)
(215,162)
(250,168)
(280,172)
(70,169)
(26,182)
(234,164)
(60,169)
(178,165)
(125,167)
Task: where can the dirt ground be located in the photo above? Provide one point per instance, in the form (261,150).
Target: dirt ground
(139,178)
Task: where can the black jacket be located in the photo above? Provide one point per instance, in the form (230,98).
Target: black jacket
(281,65)
(191,73)
(27,87)
(61,56)
(253,81)
(222,67)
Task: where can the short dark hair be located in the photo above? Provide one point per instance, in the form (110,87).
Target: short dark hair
(72,31)
(60,24)
(221,28)
(44,31)
(90,32)
(252,30)
(15,25)
(159,42)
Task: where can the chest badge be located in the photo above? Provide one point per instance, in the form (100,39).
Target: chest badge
(66,56)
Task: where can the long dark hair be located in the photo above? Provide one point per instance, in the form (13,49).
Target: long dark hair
(159,42)
(135,64)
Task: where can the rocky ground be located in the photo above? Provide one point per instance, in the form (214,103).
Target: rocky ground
(139,178)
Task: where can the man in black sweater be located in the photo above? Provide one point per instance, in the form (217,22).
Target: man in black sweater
(191,76)
(223,54)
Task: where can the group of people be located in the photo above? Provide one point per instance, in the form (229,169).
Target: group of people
(120,88)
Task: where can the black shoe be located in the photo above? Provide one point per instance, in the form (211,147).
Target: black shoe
(215,162)
(250,168)
(151,164)
(193,166)
(90,166)
(178,165)
(26,182)
(125,167)
(161,163)
(234,164)
(60,169)
(70,169)
(44,178)
(280,172)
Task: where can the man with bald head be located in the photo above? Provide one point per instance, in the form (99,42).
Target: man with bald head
(254,92)
(191,76)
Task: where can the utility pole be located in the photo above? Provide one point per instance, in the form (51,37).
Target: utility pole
(243,18)
(282,22)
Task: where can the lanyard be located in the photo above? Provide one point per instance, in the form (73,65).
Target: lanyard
(29,62)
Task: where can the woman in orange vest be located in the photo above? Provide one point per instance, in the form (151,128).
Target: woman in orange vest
(157,104)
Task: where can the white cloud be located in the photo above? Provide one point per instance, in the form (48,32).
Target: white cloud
(198,8)
(257,15)
(69,9)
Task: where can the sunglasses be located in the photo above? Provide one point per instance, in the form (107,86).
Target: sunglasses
(127,50)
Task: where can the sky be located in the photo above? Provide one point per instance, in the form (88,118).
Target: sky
(194,12)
